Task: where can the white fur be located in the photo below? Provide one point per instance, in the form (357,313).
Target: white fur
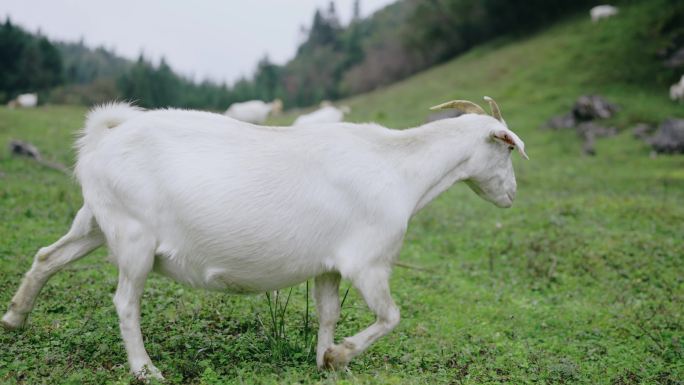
(602,12)
(253,111)
(25,101)
(219,204)
(677,90)
(325,114)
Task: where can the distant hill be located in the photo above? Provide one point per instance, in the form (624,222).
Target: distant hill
(84,65)
(539,76)
(397,41)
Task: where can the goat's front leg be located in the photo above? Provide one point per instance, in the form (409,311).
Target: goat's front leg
(373,284)
(326,292)
(135,259)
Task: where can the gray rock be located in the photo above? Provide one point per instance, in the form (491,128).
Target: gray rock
(589,131)
(588,145)
(562,121)
(589,107)
(675,60)
(669,139)
(595,130)
(17,147)
(586,108)
(642,131)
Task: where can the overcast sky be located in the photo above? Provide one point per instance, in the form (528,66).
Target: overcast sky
(215,39)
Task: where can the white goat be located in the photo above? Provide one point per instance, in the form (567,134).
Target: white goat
(254,111)
(24,101)
(223,205)
(325,114)
(602,12)
(677,90)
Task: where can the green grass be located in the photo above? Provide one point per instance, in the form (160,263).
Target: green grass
(580,282)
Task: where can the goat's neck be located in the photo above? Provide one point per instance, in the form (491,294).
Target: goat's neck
(433,157)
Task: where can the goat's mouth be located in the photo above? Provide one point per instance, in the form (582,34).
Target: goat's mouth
(506,202)
(505,205)
(499,200)
(511,196)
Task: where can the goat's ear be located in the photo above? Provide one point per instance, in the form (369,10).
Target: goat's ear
(502,136)
(510,139)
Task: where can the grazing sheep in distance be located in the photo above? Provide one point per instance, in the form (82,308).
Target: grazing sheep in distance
(223,205)
(602,12)
(677,90)
(326,114)
(254,111)
(24,101)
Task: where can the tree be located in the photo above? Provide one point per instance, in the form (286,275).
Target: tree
(27,63)
(267,80)
(332,19)
(323,32)
(356,12)
(441,29)
(151,87)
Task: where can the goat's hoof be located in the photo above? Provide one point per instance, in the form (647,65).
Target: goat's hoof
(149,372)
(337,357)
(12,321)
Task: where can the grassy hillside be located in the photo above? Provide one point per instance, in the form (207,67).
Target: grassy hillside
(580,282)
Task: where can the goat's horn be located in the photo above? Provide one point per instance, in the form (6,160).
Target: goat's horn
(496,112)
(464,105)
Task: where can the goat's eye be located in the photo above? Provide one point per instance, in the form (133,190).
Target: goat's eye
(510,148)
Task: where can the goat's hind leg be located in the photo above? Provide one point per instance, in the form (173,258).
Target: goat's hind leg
(83,237)
(373,284)
(134,252)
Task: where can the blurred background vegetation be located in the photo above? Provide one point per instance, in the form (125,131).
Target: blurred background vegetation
(334,61)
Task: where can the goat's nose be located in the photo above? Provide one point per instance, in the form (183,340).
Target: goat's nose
(511,195)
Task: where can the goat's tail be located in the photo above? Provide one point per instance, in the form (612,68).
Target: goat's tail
(101,119)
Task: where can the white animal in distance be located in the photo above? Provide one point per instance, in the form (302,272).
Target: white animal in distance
(254,111)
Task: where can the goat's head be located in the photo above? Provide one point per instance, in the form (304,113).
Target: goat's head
(491,170)
(276,107)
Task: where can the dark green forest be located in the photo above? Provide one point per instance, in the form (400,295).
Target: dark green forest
(334,61)
(27,62)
